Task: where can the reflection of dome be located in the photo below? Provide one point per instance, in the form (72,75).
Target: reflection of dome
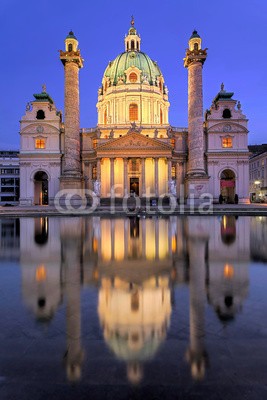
(134,320)
(125,60)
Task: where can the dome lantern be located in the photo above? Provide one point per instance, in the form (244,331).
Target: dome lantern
(71,42)
(195,41)
(132,40)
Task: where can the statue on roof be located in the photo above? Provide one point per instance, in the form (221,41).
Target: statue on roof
(44,88)
(132,21)
(133,128)
(222,87)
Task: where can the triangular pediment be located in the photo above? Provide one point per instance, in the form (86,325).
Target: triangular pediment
(135,141)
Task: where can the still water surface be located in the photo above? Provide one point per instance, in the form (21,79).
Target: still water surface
(128,308)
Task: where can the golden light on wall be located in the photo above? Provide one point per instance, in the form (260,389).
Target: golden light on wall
(40,273)
(228,271)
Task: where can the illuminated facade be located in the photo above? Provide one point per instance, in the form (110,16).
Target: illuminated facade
(134,150)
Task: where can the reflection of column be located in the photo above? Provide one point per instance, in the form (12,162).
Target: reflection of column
(126,250)
(71,240)
(112,234)
(144,221)
(196,354)
(157,239)
(125,175)
(143,177)
(111,173)
(156,161)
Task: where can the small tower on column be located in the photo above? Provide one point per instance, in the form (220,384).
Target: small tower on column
(196,170)
(72,61)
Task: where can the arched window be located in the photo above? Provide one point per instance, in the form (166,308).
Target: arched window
(195,46)
(133,112)
(69,47)
(132,77)
(226,113)
(138,46)
(132,44)
(40,114)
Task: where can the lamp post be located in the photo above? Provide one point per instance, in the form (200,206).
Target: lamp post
(257,190)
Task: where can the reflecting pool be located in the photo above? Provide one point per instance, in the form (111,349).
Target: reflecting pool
(133,308)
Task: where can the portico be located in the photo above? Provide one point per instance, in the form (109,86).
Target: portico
(134,165)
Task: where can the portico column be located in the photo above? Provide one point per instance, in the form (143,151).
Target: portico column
(156,161)
(143,177)
(179,178)
(125,176)
(169,173)
(90,176)
(111,174)
(98,173)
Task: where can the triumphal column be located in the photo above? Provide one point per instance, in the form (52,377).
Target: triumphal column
(196,178)
(71,177)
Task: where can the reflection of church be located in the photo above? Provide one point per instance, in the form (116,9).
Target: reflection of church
(136,263)
(134,149)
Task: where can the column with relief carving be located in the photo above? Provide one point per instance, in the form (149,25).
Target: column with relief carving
(72,61)
(197,179)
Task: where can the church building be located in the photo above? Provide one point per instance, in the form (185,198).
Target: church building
(134,150)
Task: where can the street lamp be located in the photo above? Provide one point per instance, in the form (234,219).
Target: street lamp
(257,189)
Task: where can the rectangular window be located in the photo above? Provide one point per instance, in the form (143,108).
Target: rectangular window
(7,189)
(7,182)
(40,143)
(227,142)
(7,171)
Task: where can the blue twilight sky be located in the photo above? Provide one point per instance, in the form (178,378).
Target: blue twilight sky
(33,31)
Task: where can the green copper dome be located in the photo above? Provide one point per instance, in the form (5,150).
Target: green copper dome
(142,61)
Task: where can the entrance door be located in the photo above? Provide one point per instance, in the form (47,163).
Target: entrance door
(227,184)
(134,186)
(41,188)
